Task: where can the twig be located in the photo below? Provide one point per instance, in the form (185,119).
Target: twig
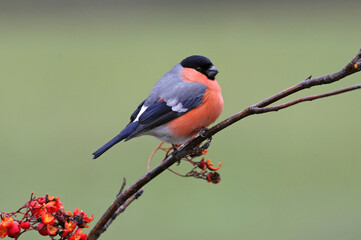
(176,173)
(326,79)
(123,186)
(352,67)
(122,207)
(258,110)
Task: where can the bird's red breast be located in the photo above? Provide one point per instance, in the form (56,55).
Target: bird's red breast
(202,116)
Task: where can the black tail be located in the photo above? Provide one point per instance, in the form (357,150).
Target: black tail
(121,136)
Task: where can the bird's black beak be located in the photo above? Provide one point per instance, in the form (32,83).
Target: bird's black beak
(211,72)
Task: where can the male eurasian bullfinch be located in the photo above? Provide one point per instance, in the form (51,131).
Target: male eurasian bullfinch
(185,100)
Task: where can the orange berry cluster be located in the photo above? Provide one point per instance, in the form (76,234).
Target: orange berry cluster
(46,215)
(212,177)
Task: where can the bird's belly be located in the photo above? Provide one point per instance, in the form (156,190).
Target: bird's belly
(163,133)
(189,124)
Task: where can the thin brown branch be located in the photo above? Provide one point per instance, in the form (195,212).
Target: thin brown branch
(352,67)
(176,173)
(326,79)
(258,110)
(123,206)
(123,186)
(309,82)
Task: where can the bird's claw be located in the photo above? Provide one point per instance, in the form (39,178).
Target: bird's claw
(202,132)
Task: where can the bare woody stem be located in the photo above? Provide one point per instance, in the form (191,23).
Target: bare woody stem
(123,206)
(352,67)
(258,110)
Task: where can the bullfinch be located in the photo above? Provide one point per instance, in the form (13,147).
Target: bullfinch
(183,102)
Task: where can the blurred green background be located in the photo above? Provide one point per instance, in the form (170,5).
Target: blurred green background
(72,72)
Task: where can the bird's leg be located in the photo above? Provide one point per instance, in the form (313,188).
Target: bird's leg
(152,154)
(201,132)
(175,148)
(168,151)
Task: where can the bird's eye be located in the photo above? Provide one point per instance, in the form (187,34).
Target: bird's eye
(198,69)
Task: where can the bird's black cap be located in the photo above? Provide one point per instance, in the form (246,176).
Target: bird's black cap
(196,61)
(200,64)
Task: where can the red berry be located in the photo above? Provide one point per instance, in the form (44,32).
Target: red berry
(52,230)
(34,204)
(35,208)
(51,208)
(213,177)
(14,230)
(41,200)
(44,232)
(25,225)
(64,233)
(42,229)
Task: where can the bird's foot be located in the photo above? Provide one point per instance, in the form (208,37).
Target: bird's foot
(202,133)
